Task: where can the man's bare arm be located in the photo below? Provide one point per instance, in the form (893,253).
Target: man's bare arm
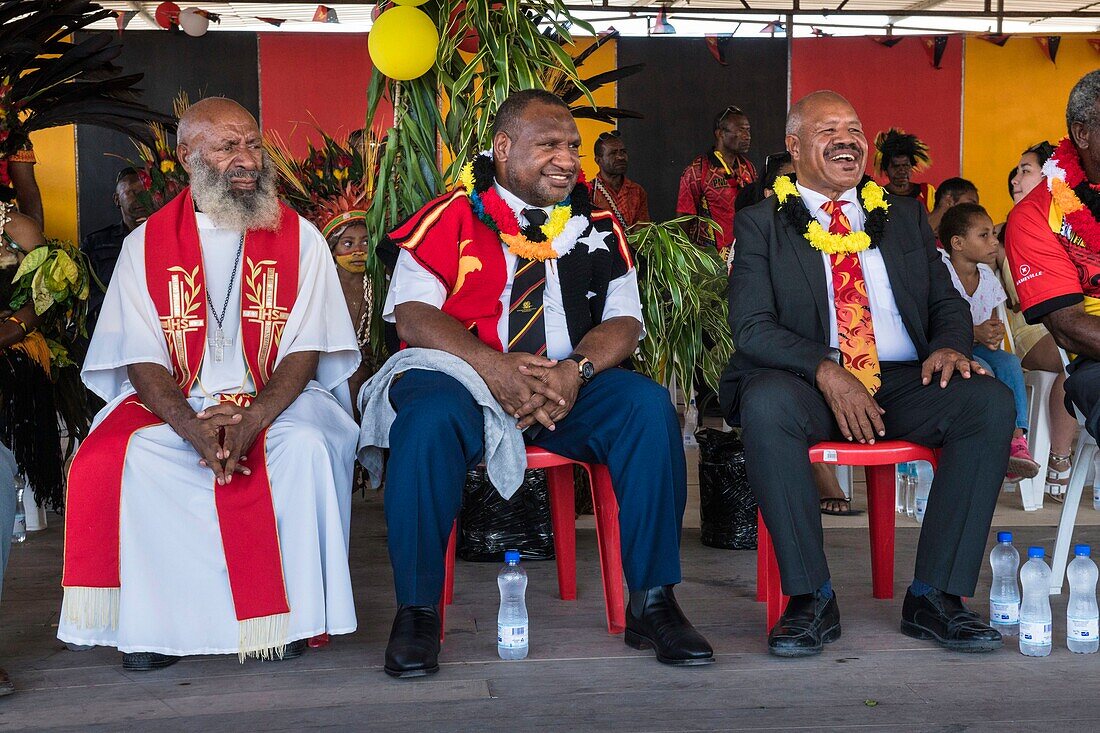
(425,326)
(1075,331)
(157,390)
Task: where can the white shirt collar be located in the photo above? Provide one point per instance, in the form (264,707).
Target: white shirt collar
(814,200)
(515,203)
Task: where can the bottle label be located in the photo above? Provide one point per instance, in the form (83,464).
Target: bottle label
(511,637)
(1082,629)
(1035,632)
(1004,614)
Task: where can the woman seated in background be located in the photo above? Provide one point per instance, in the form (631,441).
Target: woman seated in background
(330,188)
(833,500)
(1034,344)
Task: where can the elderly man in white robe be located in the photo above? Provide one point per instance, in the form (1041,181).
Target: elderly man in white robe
(208,511)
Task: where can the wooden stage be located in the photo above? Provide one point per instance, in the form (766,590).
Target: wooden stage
(578,677)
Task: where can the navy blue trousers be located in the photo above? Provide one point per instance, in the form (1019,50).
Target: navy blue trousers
(621,419)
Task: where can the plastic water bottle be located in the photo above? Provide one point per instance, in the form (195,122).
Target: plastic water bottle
(901,485)
(921,473)
(1004,593)
(19,530)
(1096,482)
(911,491)
(691,423)
(1081,614)
(512,638)
(1035,636)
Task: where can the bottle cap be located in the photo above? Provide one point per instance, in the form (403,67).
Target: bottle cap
(1004,536)
(1082,550)
(511,557)
(1035,551)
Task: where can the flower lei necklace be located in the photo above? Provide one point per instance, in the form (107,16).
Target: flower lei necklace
(874,203)
(567,222)
(1071,191)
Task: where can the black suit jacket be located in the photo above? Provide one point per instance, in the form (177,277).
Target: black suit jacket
(778,307)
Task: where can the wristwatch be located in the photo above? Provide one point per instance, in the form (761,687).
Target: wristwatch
(585,368)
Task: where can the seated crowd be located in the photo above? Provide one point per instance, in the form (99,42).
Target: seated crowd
(208,509)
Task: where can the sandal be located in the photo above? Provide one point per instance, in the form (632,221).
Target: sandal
(1058,470)
(829,502)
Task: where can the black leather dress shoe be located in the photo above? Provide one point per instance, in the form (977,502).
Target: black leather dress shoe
(944,618)
(413,650)
(808,622)
(293,650)
(654,619)
(147,661)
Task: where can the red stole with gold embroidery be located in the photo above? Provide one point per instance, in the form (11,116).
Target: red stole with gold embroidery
(246,515)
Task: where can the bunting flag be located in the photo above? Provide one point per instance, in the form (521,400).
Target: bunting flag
(272,21)
(123,18)
(1095,43)
(1049,44)
(888,41)
(717,44)
(776,26)
(997,39)
(935,46)
(325,14)
(820,33)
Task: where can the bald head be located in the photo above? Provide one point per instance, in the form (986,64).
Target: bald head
(220,146)
(809,105)
(208,112)
(826,142)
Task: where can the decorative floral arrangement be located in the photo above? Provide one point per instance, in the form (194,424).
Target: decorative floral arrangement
(873,198)
(57,279)
(1078,201)
(555,238)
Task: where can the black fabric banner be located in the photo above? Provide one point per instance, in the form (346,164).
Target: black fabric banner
(216,64)
(681,90)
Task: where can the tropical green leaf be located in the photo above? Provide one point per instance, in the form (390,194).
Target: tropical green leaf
(32,261)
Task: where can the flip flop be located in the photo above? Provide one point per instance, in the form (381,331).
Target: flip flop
(848,511)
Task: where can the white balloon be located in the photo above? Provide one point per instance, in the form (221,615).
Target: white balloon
(193,22)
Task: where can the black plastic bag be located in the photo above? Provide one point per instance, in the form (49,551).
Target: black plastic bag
(727,506)
(489,524)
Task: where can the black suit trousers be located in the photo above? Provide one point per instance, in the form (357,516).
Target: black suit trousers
(971,420)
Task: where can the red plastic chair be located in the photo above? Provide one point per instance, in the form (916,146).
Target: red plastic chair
(880,461)
(559,479)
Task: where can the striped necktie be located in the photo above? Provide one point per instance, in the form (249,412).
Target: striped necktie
(526,329)
(854,327)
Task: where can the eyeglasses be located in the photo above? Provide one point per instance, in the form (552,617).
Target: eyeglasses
(609,135)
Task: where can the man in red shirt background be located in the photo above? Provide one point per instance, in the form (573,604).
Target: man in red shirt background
(711,182)
(612,190)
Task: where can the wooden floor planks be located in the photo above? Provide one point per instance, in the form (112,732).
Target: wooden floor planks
(578,677)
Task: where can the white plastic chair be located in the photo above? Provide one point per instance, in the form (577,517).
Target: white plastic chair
(1038,435)
(1082,460)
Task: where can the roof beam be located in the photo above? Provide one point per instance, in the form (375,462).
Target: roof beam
(914,8)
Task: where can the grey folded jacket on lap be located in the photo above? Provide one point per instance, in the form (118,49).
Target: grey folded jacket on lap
(505,458)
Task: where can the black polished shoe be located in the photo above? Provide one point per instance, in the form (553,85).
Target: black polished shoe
(654,619)
(292,650)
(413,650)
(942,617)
(147,661)
(808,622)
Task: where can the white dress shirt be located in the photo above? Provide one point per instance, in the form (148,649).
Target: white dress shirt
(891,338)
(411,282)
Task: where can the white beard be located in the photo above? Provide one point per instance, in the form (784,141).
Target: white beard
(235,210)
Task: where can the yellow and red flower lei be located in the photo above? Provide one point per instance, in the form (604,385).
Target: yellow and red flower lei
(555,238)
(874,202)
(1074,196)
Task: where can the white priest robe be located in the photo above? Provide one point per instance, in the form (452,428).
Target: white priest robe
(175,596)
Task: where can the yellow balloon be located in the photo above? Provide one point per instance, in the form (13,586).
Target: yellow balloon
(410,3)
(403,43)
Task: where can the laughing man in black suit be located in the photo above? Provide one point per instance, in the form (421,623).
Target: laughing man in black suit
(895,365)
